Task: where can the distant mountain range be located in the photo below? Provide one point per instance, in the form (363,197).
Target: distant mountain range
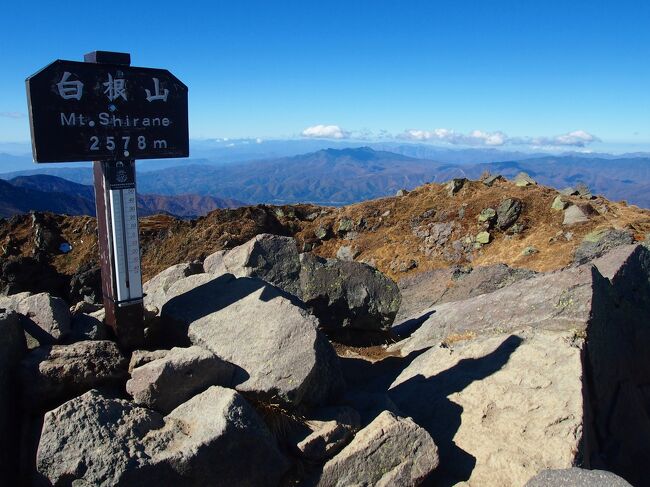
(329,177)
(50,193)
(349,175)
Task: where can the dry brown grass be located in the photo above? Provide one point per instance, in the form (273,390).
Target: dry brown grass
(457,338)
(386,240)
(394,239)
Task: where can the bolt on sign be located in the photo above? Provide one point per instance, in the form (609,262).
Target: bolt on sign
(109,112)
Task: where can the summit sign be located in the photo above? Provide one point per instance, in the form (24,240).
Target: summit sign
(106,112)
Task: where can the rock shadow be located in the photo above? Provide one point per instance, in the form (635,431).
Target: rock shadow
(426,401)
(407,327)
(210,297)
(37,333)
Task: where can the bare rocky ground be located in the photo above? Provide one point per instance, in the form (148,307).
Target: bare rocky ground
(270,362)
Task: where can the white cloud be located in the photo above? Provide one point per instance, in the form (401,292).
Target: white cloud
(14,115)
(577,138)
(325,132)
(476,137)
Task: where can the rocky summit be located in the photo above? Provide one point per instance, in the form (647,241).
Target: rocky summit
(477,333)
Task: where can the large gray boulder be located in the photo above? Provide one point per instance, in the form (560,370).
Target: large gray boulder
(523,179)
(577,477)
(390,451)
(620,365)
(156,288)
(48,316)
(272,258)
(50,313)
(268,335)
(340,293)
(50,375)
(94,438)
(214,439)
(12,350)
(164,383)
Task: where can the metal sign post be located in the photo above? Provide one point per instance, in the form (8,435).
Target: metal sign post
(109,112)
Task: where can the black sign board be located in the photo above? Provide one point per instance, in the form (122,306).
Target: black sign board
(106,112)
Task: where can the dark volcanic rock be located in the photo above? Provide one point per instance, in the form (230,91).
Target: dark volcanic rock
(21,274)
(86,327)
(86,284)
(342,294)
(508,212)
(599,242)
(348,294)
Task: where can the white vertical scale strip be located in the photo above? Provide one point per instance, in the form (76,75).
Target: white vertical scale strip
(119,255)
(132,242)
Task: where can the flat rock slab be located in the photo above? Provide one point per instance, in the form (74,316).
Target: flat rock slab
(51,375)
(500,408)
(422,291)
(142,357)
(181,373)
(390,451)
(270,338)
(577,477)
(558,301)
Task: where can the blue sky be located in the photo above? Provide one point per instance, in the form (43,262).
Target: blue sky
(494,73)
